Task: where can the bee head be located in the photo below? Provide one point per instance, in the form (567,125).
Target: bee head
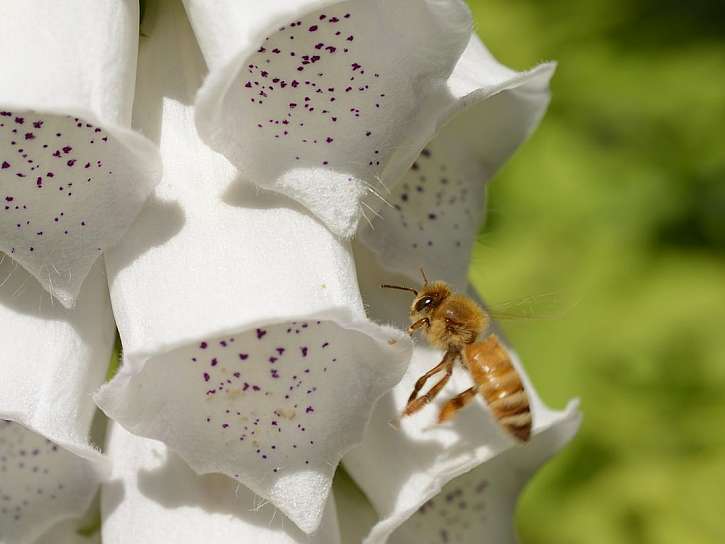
(427,299)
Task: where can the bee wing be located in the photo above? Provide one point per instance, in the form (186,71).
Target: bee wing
(541,306)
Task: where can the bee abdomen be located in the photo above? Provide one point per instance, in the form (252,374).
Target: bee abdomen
(518,425)
(511,409)
(500,385)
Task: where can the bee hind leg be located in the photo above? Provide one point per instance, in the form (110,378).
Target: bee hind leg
(456,403)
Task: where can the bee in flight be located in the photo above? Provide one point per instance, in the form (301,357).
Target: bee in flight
(453,322)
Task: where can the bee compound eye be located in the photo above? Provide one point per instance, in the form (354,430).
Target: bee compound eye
(423,303)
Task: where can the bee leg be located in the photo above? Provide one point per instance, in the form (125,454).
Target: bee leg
(417,403)
(424,378)
(456,403)
(418,324)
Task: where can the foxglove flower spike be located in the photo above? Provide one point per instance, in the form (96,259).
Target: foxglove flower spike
(266,369)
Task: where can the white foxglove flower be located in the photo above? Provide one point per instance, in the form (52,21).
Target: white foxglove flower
(437,208)
(72,174)
(327,102)
(52,361)
(477,506)
(155,497)
(402,466)
(246,346)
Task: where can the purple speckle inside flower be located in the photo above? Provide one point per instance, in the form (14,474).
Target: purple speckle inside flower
(264,398)
(38,165)
(37,477)
(310,91)
(457,514)
(437,206)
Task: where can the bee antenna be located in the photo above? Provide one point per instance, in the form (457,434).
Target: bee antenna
(422,273)
(386,286)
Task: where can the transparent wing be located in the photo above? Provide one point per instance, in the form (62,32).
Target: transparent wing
(540,306)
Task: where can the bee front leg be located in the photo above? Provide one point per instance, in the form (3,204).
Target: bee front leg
(418,324)
(414,403)
(424,378)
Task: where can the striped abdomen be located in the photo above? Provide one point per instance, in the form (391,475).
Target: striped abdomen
(500,384)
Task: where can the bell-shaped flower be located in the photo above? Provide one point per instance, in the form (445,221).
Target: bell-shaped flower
(52,360)
(246,346)
(476,506)
(73,176)
(326,101)
(435,211)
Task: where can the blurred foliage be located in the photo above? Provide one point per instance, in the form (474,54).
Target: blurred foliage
(617,205)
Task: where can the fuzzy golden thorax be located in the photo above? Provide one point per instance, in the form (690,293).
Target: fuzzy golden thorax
(448,320)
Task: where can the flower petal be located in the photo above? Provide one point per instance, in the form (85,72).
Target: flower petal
(155,497)
(475,505)
(52,360)
(265,369)
(72,175)
(481,503)
(320,100)
(399,469)
(438,207)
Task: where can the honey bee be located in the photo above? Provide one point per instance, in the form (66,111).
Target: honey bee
(453,322)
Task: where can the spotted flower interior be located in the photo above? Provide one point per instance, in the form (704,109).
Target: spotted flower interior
(40,483)
(73,176)
(329,105)
(274,407)
(300,79)
(435,211)
(59,178)
(482,502)
(475,504)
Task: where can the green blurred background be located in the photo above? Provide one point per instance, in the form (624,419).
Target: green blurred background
(617,205)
